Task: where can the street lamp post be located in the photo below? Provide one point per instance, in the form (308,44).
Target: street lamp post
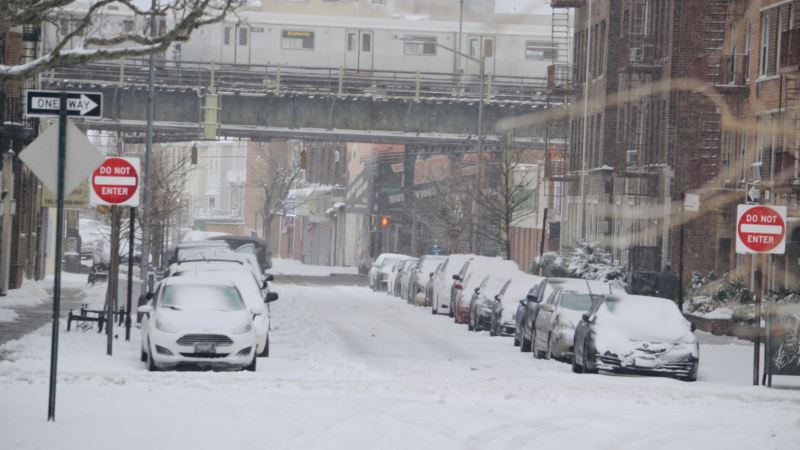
(482,74)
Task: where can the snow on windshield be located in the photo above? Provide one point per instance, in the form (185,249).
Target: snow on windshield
(576,302)
(202,298)
(643,317)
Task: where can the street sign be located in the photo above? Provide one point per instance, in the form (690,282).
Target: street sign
(77,199)
(41,156)
(81,104)
(116,182)
(761,229)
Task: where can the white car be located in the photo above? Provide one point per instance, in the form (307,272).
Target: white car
(253,297)
(442,289)
(198,321)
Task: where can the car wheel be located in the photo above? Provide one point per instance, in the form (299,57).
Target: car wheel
(252,366)
(525,346)
(471,323)
(493,327)
(586,366)
(265,352)
(151,365)
(536,354)
(143,356)
(548,354)
(577,368)
(434,310)
(516,340)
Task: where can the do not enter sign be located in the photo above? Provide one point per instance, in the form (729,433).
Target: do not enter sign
(761,229)
(116,182)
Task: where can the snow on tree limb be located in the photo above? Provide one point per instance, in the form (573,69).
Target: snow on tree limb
(177,17)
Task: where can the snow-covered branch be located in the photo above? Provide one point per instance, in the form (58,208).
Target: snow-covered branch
(81,38)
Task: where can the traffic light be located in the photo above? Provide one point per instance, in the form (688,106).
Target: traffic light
(385,222)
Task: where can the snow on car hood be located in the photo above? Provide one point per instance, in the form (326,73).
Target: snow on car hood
(622,322)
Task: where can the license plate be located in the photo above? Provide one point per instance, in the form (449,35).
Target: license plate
(205,347)
(645,362)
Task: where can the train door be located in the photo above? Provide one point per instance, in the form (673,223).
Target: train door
(235,44)
(474,43)
(359,49)
(242,54)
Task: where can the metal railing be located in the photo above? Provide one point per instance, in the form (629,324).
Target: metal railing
(328,81)
(559,77)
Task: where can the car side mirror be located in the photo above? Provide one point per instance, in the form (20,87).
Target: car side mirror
(149,296)
(431,275)
(497,297)
(692,328)
(457,277)
(271,297)
(586,317)
(145,309)
(523,302)
(477,289)
(269,277)
(264,285)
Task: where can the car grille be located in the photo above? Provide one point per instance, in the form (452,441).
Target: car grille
(191,339)
(205,355)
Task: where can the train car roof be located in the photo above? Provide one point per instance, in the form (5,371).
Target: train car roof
(540,25)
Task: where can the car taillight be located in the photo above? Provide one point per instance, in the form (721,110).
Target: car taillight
(458,286)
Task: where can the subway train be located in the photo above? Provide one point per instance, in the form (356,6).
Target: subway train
(357,43)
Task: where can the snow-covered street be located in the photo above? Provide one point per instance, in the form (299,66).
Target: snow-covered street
(350,368)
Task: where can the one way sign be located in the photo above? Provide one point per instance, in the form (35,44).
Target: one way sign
(81,104)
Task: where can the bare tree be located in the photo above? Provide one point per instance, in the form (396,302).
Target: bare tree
(83,38)
(171,170)
(277,180)
(509,200)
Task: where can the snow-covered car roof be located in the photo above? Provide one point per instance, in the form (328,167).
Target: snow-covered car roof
(521,284)
(642,317)
(455,262)
(597,287)
(429,263)
(483,265)
(197,280)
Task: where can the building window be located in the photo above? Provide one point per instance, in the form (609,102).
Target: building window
(297,40)
(774,22)
(420,45)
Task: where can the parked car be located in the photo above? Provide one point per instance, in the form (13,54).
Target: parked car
(379,271)
(636,334)
(480,312)
(502,307)
(185,248)
(254,298)
(421,277)
(554,327)
(544,294)
(197,321)
(442,283)
(254,245)
(470,277)
(393,280)
(406,274)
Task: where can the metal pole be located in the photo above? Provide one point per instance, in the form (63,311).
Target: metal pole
(129,304)
(113,278)
(475,215)
(460,30)
(759,292)
(541,242)
(148,165)
(585,119)
(62,162)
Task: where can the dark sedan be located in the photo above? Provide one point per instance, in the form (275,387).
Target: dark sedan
(636,334)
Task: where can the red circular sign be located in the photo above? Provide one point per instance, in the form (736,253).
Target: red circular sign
(761,228)
(115,181)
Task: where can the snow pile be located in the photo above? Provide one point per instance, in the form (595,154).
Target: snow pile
(282,266)
(587,261)
(31,293)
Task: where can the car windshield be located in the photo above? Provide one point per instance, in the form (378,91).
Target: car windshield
(576,302)
(201,298)
(640,316)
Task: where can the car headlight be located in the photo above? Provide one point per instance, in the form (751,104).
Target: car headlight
(165,327)
(244,328)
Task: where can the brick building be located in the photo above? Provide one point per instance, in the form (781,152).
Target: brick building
(646,136)
(21,218)
(760,81)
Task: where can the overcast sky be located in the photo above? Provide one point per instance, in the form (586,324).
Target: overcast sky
(521,6)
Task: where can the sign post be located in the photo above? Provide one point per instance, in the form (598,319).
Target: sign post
(61,175)
(760,230)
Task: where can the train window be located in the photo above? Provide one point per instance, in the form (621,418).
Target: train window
(539,50)
(366,42)
(488,48)
(419,45)
(303,40)
(473,47)
(242,36)
(227,38)
(351,41)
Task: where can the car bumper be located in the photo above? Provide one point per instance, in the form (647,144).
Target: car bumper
(508,329)
(682,364)
(563,344)
(168,353)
